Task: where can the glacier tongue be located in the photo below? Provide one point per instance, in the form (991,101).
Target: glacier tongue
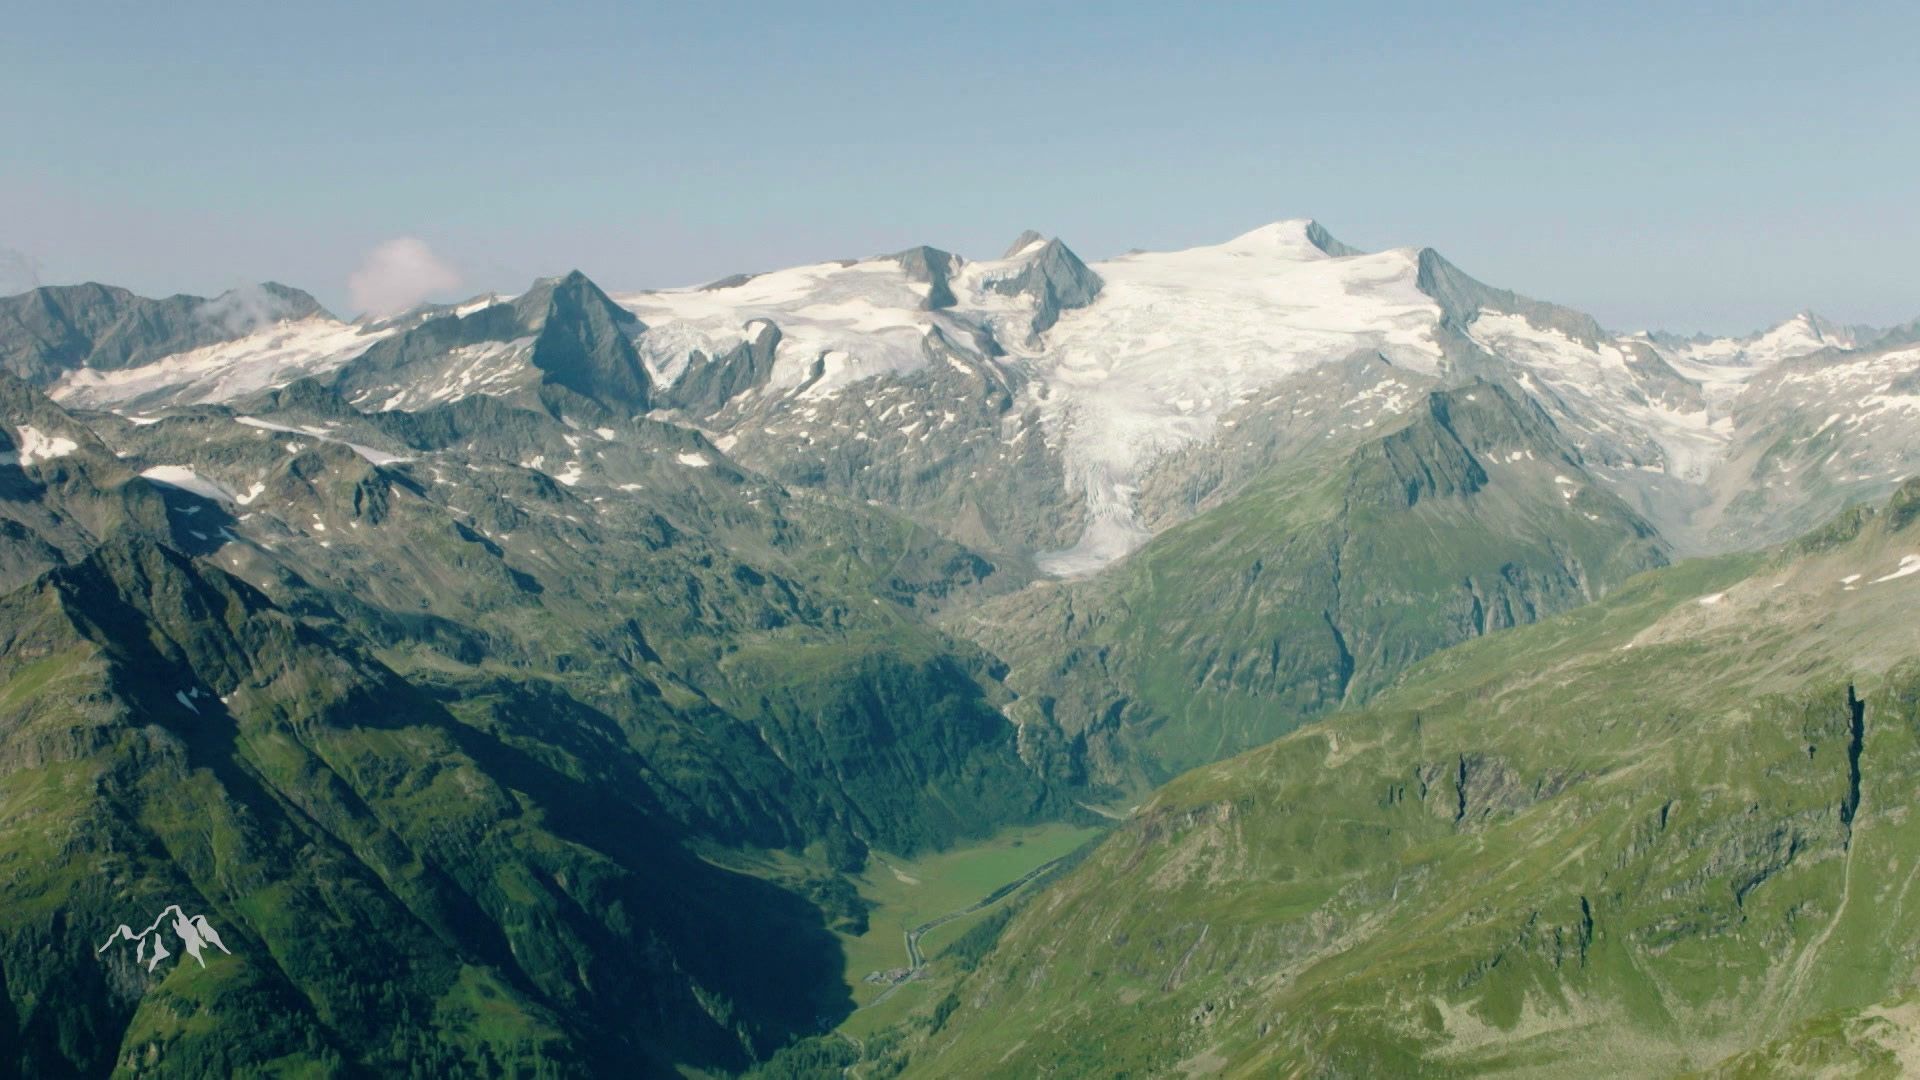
(264,359)
(1178,338)
(1123,360)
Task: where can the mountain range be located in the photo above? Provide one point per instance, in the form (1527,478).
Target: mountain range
(1478,689)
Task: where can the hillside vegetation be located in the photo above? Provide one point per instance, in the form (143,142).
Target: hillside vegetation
(1643,838)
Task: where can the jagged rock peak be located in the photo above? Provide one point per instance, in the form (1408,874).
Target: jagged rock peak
(1462,298)
(572,289)
(584,341)
(1022,242)
(1319,237)
(933,267)
(1819,328)
(1055,278)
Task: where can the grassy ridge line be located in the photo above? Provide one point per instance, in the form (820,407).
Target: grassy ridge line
(1611,843)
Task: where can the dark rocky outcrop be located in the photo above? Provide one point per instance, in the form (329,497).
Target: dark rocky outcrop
(1056,280)
(709,382)
(934,268)
(58,328)
(1461,299)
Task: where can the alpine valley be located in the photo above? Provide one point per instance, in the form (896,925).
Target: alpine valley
(1263,659)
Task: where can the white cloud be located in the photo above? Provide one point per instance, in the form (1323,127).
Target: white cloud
(19,272)
(243,310)
(399,274)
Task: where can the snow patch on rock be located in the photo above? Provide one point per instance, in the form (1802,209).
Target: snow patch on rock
(179,476)
(37,446)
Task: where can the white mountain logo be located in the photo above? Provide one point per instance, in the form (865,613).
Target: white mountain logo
(193,931)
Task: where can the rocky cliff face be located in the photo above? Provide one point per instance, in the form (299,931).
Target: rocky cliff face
(563,333)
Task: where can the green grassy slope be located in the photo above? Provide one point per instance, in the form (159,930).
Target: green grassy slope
(397,889)
(755,658)
(454,733)
(1312,588)
(1638,839)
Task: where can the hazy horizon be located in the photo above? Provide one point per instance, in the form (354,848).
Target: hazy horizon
(1657,167)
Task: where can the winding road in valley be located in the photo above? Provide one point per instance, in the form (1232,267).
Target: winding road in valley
(916,960)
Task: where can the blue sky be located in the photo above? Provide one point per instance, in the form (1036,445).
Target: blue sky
(1659,164)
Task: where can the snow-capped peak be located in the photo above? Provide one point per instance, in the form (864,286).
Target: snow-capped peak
(1106,367)
(1291,238)
(1024,244)
(1804,333)
(855,319)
